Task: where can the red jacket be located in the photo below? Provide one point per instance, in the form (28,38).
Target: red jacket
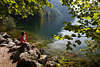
(23,38)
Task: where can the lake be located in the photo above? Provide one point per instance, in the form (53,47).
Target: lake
(49,24)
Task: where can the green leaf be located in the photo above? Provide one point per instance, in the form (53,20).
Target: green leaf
(97,31)
(78,42)
(73,35)
(5,1)
(87,18)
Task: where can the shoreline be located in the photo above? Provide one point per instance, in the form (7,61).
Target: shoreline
(19,55)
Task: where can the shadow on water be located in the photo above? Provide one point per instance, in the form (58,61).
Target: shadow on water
(30,24)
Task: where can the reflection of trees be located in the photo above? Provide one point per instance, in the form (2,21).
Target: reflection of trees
(30,24)
(7,24)
(51,15)
(34,23)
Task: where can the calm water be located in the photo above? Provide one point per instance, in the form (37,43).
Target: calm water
(49,24)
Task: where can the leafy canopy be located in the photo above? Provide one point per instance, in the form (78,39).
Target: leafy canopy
(21,7)
(88,14)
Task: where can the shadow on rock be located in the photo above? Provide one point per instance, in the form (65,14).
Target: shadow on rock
(16,51)
(24,63)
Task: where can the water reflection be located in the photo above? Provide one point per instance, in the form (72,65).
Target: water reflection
(49,23)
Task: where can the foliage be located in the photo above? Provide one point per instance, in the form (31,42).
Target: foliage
(92,47)
(68,61)
(65,62)
(21,7)
(88,14)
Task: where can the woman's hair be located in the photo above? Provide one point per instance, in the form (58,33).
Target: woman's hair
(22,33)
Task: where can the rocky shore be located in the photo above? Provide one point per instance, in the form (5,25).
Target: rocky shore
(20,56)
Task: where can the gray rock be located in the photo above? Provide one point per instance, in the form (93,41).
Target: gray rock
(42,51)
(2,39)
(24,63)
(16,41)
(43,59)
(37,63)
(10,44)
(2,44)
(30,55)
(9,40)
(50,64)
(5,35)
(15,47)
(54,58)
(43,56)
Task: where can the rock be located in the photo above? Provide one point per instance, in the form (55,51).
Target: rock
(41,50)
(30,55)
(16,41)
(24,63)
(35,50)
(37,63)
(2,39)
(50,64)
(54,58)
(25,56)
(34,45)
(5,35)
(9,40)
(15,47)
(2,44)
(10,44)
(43,59)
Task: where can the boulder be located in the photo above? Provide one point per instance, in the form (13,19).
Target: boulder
(3,44)
(16,41)
(54,58)
(37,63)
(10,44)
(24,63)
(5,35)
(43,56)
(9,40)
(42,51)
(15,47)
(2,39)
(43,59)
(30,55)
(50,64)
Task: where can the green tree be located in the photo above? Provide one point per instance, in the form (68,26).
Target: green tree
(22,8)
(88,14)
